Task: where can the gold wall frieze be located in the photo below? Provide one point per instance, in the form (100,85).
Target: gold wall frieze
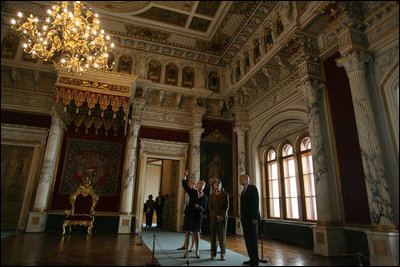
(91,98)
(93,85)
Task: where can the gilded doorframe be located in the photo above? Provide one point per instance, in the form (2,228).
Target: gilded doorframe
(151,148)
(35,137)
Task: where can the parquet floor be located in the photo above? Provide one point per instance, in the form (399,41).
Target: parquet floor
(114,249)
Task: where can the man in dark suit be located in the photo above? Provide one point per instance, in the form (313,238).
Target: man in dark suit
(250,216)
(159,208)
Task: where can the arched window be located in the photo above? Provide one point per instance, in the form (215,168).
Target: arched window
(273,185)
(188,77)
(171,74)
(290,183)
(307,174)
(125,64)
(154,71)
(213,81)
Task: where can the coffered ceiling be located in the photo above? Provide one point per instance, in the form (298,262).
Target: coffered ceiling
(206,31)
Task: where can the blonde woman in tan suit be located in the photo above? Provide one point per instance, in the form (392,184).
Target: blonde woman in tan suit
(218,215)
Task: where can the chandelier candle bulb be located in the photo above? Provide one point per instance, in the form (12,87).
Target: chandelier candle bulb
(63,38)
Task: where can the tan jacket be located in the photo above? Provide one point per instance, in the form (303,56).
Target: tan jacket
(218,205)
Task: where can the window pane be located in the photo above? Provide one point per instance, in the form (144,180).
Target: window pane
(305,144)
(275,187)
(309,187)
(287,150)
(274,207)
(292,210)
(271,155)
(311,208)
(290,178)
(272,171)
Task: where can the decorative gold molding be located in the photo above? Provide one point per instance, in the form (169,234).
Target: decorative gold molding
(385,228)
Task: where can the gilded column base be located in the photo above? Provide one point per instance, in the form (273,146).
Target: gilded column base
(125,224)
(383,247)
(36,222)
(329,240)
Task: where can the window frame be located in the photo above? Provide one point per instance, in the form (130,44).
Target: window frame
(298,168)
(267,183)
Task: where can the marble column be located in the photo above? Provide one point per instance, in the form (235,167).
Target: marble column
(313,92)
(380,205)
(125,218)
(329,238)
(241,147)
(383,238)
(37,218)
(195,136)
(241,167)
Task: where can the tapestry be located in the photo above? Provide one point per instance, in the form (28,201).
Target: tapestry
(98,160)
(15,166)
(216,160)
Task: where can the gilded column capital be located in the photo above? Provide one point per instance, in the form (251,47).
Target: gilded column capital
(195,135)
(312,89)
(240,130)
(354,61)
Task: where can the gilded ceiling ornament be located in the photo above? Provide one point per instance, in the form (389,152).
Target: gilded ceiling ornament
(146,33)
(121,6)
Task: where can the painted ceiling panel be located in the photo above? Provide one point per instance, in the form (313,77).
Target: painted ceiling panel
(208,8)
(181,5)
(166,16)
(192,27)
(199,24)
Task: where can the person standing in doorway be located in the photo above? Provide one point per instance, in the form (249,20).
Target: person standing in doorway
(165,211)
(250,216)
(149,210)
(159,209)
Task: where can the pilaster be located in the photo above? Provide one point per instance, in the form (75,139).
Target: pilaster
(37,218)
(130,171)
(329,238)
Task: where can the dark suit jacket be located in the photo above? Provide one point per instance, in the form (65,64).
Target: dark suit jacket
(249,204)
(193,200)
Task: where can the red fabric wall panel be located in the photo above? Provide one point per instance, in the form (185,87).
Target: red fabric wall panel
(354,192)
(106,203)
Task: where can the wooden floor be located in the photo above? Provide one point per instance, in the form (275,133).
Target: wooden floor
(114,249)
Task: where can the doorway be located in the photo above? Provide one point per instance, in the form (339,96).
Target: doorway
(161,177)
(162,164)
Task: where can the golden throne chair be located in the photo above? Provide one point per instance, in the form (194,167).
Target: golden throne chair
(83,202)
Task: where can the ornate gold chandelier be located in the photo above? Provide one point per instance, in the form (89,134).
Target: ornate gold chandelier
(70,39)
